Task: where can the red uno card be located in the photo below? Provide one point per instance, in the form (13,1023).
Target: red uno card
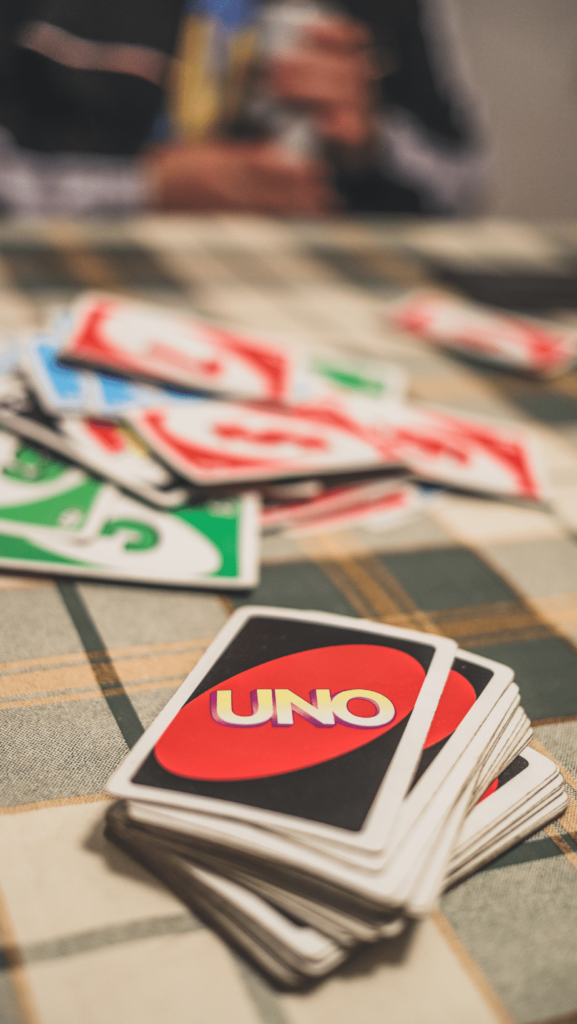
(152,343)
(210,442)
(468,454)
(378,504)
(544,348)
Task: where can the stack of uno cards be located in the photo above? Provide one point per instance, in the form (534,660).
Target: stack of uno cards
(318,780)
(176,415)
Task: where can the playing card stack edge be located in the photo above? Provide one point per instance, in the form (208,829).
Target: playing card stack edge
(318,780)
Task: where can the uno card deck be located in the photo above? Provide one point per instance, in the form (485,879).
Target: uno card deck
(349,872)
(359,889)
(295,742)
(56,519)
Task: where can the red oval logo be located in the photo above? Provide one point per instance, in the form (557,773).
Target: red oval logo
(196,745)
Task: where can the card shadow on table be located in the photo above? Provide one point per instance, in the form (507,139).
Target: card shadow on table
(116,860)
(369,958)
(363,962)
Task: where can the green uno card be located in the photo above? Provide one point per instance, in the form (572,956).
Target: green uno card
(55,518)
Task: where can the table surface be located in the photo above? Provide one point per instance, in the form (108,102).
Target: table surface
(88,936)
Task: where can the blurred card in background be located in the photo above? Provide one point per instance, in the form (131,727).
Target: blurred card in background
(155,344)
(62,389)
(56,519)
(540,347)
(376,505)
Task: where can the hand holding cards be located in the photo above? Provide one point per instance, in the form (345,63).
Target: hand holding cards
(319,776)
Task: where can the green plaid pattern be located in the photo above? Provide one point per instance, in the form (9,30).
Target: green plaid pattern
(87,935)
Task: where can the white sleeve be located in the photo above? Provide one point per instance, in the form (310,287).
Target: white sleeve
(36,184)
(449,178)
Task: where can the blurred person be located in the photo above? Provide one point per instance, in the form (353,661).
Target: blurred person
(159,104)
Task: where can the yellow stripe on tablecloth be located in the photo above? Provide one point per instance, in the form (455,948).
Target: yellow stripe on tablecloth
(473,970)
(363,580)
(568,821)
(59,801)
(10,582)
(562,845)
(151,663)
(560,610)
(168,683)
(114,653)
(555,720)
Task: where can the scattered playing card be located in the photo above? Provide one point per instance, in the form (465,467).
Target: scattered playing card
(70,390)
(103,447)
(155,344)
(376,505)
(465,453)
(521,343)
(117,454)
(213,442)
(57,519)
(37,491)
(152,343)
(321,376)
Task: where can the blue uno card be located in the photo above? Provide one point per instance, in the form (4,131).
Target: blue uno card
(64,389)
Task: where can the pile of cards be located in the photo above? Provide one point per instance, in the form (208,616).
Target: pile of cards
(318,780)
(543,348)
(185,428)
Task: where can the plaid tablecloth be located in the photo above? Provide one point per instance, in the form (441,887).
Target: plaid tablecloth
(87,936)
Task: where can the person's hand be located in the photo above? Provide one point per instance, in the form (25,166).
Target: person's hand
(258,177)
(333,75)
